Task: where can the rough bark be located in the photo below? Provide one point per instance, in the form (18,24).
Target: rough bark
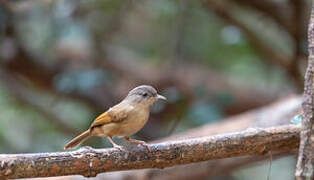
(200,171)
(275,114)
(305,162)
(89,162)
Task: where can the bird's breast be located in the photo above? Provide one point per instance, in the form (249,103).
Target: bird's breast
(135,121)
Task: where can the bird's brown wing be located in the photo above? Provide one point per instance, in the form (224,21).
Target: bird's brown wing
(113,115)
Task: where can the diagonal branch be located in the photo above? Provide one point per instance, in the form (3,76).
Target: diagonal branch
(90,162)
(270,55)
(275,114)
(272,9)
(25,96)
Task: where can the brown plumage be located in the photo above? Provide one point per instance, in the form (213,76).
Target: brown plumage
(123,119)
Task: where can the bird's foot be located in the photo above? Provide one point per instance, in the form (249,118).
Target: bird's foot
(142,143)
(146,146)
(118,147)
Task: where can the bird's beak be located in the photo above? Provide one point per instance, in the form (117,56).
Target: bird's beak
(161,97)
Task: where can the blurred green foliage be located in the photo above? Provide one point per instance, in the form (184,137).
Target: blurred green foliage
(157,31)
(74,38)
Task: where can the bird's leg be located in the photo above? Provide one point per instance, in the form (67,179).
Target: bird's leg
(143,143)
(114,144)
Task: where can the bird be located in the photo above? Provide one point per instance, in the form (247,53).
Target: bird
(124,119)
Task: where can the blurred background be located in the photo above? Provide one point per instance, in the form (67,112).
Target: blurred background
(63,62)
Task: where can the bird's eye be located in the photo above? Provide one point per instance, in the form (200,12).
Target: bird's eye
(144,94)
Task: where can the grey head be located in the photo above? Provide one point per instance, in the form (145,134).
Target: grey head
(145,95)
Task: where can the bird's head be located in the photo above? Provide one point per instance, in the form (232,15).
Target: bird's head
(144,95)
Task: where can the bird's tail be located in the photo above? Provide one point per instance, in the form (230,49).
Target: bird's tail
(77,140)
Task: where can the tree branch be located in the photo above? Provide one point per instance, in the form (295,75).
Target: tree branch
(25,95)
(271,56)
(275,114)
(305,162)
(89,162)
(271,9)
(200,171)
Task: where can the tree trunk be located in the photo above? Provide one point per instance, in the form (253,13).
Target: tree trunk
(305,162)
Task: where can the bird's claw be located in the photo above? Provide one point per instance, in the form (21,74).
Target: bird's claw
(146,146)
(118,147)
